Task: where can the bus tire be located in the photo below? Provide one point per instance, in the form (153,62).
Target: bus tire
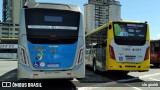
(94,66)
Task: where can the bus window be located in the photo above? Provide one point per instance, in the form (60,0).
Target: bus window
(157,49)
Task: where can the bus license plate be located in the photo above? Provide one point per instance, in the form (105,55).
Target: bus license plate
(51,72)
(53,65)
(130,59)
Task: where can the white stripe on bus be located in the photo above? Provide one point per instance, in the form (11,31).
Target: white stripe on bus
(51,27)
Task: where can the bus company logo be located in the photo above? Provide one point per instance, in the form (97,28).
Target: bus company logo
(126,49)
(6,84)
(120,54)
(136,49)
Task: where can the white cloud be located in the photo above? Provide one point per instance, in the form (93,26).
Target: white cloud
(158,35)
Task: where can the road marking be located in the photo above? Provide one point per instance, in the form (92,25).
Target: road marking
(74,79)
(133,87)
(149,75)
(154,79)
(126,80)
(88,88)
(104,84)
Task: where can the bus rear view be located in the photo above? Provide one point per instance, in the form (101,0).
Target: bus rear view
(131,46)
(119,46)
(51,42)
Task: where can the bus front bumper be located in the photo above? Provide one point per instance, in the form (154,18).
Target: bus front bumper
(26,73)
(144,66)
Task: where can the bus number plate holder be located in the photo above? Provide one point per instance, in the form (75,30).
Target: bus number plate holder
(130,59)
(51,72)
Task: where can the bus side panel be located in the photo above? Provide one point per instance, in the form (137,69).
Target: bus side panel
(22,49)
(79,69)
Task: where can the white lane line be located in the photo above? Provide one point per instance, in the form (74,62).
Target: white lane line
(74,79)
(97,86)
(149,75)
(104,84)
(133,87)
(127,80)
(154,79)
(88,88)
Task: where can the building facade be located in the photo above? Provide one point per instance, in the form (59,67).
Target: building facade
(99,12)
(9,30)
(10,17)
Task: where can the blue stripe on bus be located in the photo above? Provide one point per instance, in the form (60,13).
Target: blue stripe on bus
(52,56)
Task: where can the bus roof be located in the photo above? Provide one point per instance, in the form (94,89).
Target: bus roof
(52,6)
(97,29)
(155,40)
(130,21)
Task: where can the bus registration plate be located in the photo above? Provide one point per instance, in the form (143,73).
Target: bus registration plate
(130,59)
(51,72)
(53,65)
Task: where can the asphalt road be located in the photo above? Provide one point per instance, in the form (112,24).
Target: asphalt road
(101,81)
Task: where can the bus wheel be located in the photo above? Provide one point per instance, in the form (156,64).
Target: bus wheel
(94,66)
(156,65)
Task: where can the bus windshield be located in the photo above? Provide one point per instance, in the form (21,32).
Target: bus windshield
(155,46)
(48,26)
(130,33)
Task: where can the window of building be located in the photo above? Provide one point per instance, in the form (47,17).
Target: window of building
(16,33)
(5,28)
(16,29)
(5,33)
(16,24)
(4,36)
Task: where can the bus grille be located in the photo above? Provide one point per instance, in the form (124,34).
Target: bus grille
(130,66)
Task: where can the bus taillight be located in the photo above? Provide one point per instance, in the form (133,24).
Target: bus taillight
(24,56)
(147,53)
(112,55)
(80,56)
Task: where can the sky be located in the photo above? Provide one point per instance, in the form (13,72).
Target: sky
(136,10)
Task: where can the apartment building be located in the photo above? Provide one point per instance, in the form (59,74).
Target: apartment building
(10,17)
(99,12)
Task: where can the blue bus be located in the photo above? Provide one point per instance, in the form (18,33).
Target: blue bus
(51,42)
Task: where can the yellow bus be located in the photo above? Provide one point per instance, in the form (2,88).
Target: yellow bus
(119,46)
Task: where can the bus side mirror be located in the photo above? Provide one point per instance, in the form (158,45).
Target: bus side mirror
(110,27)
